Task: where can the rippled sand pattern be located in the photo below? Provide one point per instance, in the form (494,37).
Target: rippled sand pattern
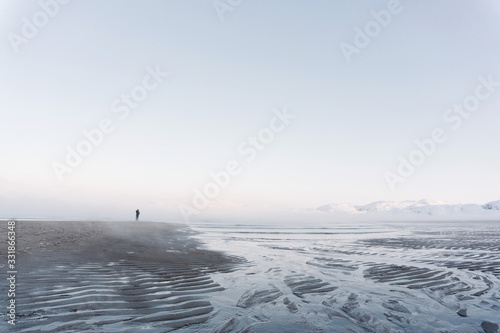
(417,278)
(119,285)
(400,277)
(126,295)
(301,284)
(388,278)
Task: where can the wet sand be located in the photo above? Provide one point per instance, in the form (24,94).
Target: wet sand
(401,277)
(157,277)
(78,276)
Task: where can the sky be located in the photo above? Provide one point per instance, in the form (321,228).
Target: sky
(293,104)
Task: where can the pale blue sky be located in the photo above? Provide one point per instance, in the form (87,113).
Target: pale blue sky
(352,121)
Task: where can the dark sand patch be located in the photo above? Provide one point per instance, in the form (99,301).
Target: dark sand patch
(111,276)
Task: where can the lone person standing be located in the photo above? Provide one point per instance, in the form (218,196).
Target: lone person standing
(137,213)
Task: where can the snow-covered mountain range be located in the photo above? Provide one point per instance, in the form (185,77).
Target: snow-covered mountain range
(422,207)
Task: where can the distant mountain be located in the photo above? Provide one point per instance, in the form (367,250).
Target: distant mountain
(422,207)
(494,205)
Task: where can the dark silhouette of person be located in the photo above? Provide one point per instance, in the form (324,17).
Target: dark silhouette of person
(137,213)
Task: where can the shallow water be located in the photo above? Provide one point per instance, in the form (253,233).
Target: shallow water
(373,277)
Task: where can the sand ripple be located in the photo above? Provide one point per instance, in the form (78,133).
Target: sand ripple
(120,284)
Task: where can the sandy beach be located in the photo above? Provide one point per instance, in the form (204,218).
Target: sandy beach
(75,276)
